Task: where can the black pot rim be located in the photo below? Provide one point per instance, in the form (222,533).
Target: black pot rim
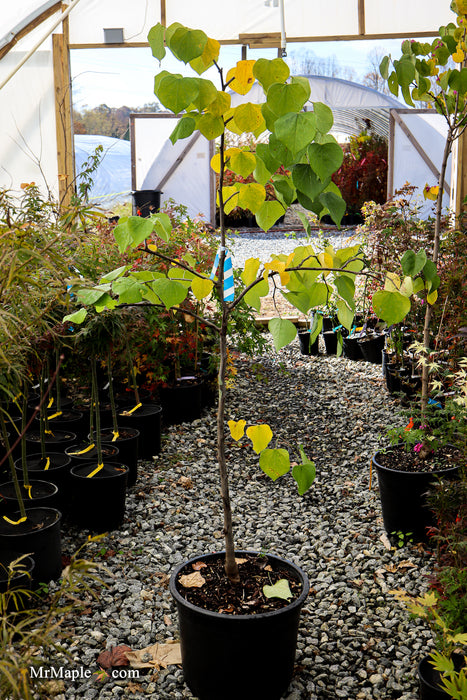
(298,602)
(135,433)
(438,472)
(425,663)
(154,408)
(54,488)
(49,511)
(99,475)
(64,460)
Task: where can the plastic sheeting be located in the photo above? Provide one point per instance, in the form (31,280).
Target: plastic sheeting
(112,179)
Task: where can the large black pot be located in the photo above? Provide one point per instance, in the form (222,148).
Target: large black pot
(81,454)
(403,498)
(68,419)
(238,656)
(56,442)
(307,348)
(429,678)
(372,348)
(182,402)
(351,348)
(98,502)
(146,419)
(39,536)
(127,443)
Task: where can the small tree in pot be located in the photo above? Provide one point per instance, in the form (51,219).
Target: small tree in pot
(301,142)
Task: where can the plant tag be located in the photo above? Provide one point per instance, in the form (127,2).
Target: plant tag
(115,434)
(14,522)
(280,589)
(96,471)
(132,410)
(47,465)
(55,415)
(81,452)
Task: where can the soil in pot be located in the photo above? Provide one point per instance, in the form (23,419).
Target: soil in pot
(222,628)
(56,442)
(41,493)
(182,402)
(83,452)
(404,481)
(98,501)
(39,536)
(127,443)
(54,468)
(68,420)
(147,419)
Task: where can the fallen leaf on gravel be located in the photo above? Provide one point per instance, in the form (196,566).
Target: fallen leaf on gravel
(385,540)
(186,482)
(115,656)
(194,580)
(156,656)
(406,565)
(167,621)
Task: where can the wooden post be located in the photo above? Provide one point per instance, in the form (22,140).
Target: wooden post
(460,153)
(63,117)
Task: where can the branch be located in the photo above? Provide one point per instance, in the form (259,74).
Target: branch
(177,309)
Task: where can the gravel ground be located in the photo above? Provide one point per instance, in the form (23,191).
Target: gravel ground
(355,640)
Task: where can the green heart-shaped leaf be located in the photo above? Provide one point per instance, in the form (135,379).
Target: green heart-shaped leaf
(274,463)
(282,330)
(280,589)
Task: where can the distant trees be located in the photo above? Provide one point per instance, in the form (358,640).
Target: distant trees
(373,78)
(108,121)
(308,63)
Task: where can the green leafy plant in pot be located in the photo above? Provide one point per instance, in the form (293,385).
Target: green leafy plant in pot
(221,641)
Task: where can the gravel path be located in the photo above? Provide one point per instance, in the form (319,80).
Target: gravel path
(355,641)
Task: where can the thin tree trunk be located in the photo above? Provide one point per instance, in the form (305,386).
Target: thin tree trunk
(435,255)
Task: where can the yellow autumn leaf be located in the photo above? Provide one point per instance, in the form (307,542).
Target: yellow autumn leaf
(250,271)
(240,79)
(260,436)
(237,428)
(277,266)
(458,56)
(430,192)
(201,288)
(220,104)
(325,260)
(432,297)
(230,198)
(392,282)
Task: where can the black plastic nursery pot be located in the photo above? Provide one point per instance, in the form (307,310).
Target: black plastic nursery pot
(403,498)
(307,348)
(42,493)
(68,420)
(351,348)
(372,348)
(429,678)
(20,578)
(127,443)
(238,656)
(330,342)
(146,419)
(81,453)
(146,202)
(98,501)
(55,468)
(183,402)
(38,536)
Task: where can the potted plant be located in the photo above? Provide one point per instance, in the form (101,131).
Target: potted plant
(301,142)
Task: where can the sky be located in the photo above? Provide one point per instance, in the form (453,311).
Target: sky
(118,77)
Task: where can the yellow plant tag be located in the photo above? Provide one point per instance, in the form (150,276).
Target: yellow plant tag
(48,432)
(237,428)
(98,468)
(82,452)
(115,434)
(55,415)
(132,410)
(51,402)
(47,463)
(28,487)
(13,522)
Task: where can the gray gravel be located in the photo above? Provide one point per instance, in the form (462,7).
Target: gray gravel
(355,640)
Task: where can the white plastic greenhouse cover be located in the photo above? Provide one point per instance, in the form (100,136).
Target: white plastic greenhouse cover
(35,140)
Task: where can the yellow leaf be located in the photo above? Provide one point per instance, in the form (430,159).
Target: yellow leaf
(241,77)
(251,270)
(216,163)
(458,56)
(220,105)
(152,247)
(237,428)
(201,288)
(229,195)
(430,192)
(326,260)
(260,436)
(210,53)
(248,116)
(278,266)
(392,282)
(432,297)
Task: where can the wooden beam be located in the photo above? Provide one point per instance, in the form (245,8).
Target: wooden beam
(62,119)
(361,17)
(163,13)
(420,150)
(259,41)
(461,174)
(24,31)
(178,160)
